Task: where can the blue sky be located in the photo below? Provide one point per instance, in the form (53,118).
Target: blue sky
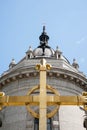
(21,24)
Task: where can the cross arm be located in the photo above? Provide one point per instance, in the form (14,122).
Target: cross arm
(34,100)
(18,100)
(70,100)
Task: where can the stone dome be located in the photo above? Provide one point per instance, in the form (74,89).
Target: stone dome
(48,52)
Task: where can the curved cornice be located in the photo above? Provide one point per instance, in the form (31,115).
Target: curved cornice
(29,72)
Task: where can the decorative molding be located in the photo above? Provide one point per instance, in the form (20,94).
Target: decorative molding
(57,74)
(50,74)
(65,76)
(20,76)
(62,75)
(8,80)
(71,78)
(14,78)
(77,80)
(27,74)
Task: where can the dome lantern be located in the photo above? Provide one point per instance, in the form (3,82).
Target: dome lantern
(44,49)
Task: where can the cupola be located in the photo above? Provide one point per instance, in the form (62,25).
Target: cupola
(29,53)
(58,53)
(75,64)
(44,49)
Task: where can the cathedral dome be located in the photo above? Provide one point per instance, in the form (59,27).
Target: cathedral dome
(48,52)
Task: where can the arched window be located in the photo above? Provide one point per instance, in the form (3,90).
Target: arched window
(36,124)
(49,124)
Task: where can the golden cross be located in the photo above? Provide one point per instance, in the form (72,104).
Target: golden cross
(42,100)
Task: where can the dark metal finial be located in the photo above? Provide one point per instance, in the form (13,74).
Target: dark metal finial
(44,29)
(44,38)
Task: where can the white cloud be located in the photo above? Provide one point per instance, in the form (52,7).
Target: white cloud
(81,40)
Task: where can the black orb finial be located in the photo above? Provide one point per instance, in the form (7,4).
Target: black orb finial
(44,42)
(44,37)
